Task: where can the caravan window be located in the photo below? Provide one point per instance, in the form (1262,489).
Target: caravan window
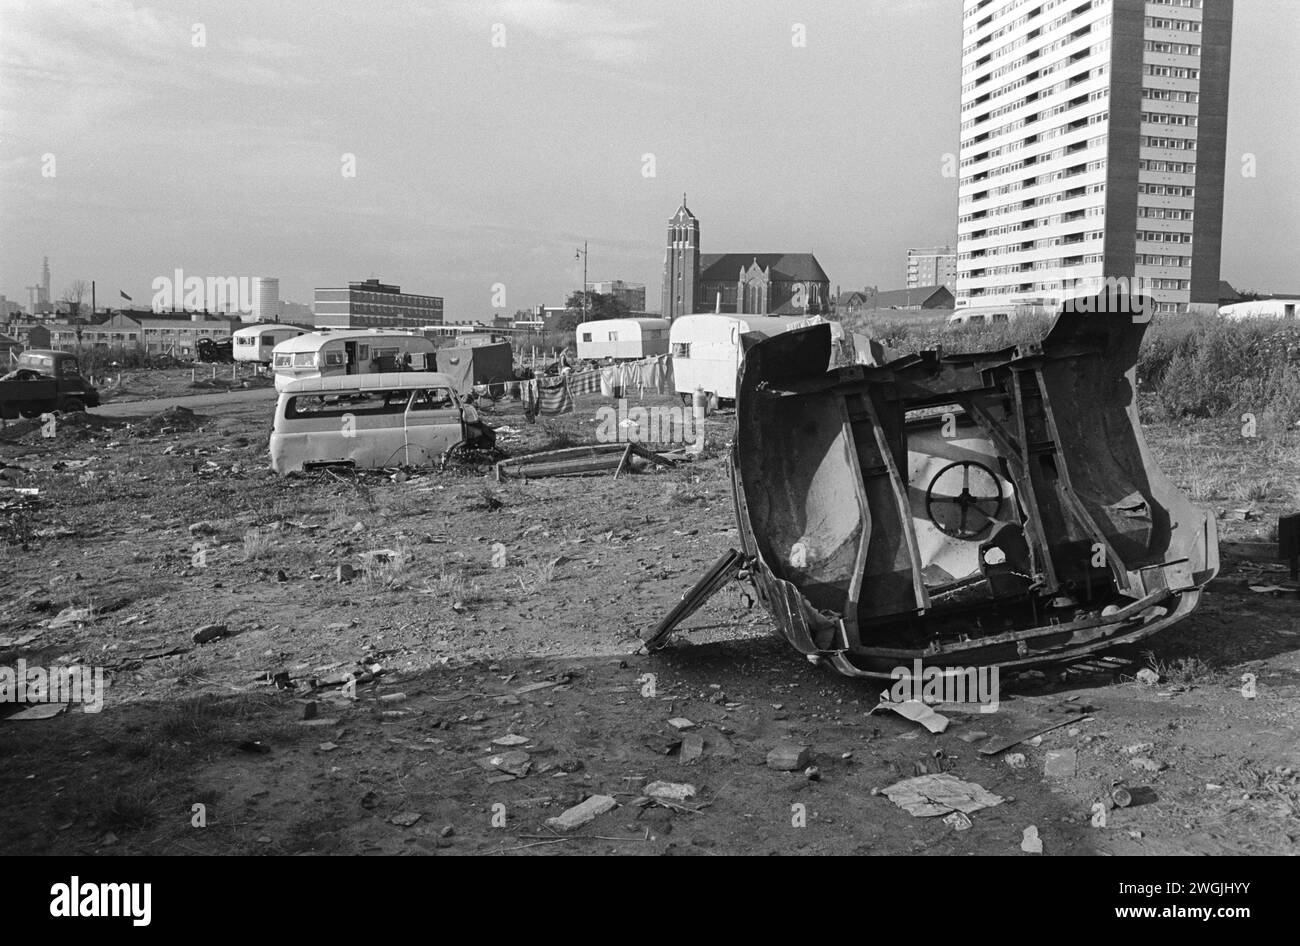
(334,359)
(681,349)
(586,336)
(244,340)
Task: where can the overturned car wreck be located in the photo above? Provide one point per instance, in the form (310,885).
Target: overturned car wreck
(992,508)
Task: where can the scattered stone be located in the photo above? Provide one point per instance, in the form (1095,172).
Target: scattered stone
(404,819)
(1147,765)
(327,747)
(511,740)
(692,748)
(1061,763)
(789,757)
(680,722)
(672,791)
(345,572)
(1139,747)
(1016,760)
(515,762)
(310,710)
(582,814)
(1148,677)
(1030,842)
(975,735)
(447,832)
(812,773)
(209,632)
(957,821)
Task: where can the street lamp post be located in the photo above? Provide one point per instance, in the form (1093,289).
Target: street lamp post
(583,253)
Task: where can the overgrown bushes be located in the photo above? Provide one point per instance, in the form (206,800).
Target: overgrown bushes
(1189,366)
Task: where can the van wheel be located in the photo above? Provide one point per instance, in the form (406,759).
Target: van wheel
(31,411)
(70,405)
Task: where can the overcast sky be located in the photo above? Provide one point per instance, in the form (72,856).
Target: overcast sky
(480,163)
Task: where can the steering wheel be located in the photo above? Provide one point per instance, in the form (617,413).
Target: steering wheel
(963,499)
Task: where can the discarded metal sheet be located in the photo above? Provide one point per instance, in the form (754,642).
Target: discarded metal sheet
(928,796)
(990,508)
(578,461)
(917,712)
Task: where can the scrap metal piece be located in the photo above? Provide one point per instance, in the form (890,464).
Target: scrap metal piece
(714,580)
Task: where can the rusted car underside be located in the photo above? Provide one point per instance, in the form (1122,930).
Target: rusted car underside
(995,508)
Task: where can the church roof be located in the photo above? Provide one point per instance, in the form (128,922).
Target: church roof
(726,267)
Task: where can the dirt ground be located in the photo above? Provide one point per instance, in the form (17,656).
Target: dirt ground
(496,610)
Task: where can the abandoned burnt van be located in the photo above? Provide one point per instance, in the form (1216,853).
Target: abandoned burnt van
(992,508)
(370,421)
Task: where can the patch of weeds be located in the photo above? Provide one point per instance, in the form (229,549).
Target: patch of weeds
(1183,671)
(258,544)
(537,574)
(391,570)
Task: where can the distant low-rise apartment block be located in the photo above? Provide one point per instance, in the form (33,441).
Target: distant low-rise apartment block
(932,266)
(1092,146)
(631,294)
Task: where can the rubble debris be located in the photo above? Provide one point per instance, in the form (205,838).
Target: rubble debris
(1015,759)
(511,739)
(404,819)
(927,796)
(692,748)
(917,712)
(209,632)
(516,762)
(38,711)
(789,757)
(1030,842)
(670,791)
(582,814)
(1148,765)
(1061,763)
(957,821)
(681,722)
(1147,677)
(1033,727)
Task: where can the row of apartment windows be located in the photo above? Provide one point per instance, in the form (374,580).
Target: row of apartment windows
(1167,23)
(1169,118)
(1171,95)
(1169,283)
(1098,49)
(1012,25)
(1168,167)
(1169,144)
(1030,160)
(1166,190)
(1164,213)
(1175,262)
(1071,217)
(1061,262)
(1173,49)
(1164,236)
(1046,135)
(1041,94)
(1171,72)
(1016,206)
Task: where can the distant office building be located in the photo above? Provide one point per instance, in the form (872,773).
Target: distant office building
(932,266)
(372,304)
(40,302)
(631,294)
(297,312)
(1092,146)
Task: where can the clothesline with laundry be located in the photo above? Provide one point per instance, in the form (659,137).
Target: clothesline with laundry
(555,394)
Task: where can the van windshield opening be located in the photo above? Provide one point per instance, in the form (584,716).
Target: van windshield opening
(351,402)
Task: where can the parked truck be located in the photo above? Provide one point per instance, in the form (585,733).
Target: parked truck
(43,381)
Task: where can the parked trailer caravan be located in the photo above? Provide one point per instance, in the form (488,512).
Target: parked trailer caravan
(706,348)
(256,342)
(326,353)
(622,339)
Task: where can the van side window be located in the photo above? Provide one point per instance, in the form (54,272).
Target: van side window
(336,405)
(333,359)
(432,399)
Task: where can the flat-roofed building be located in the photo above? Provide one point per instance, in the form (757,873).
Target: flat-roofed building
(372,304)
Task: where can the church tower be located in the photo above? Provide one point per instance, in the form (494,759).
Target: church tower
(681,263)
